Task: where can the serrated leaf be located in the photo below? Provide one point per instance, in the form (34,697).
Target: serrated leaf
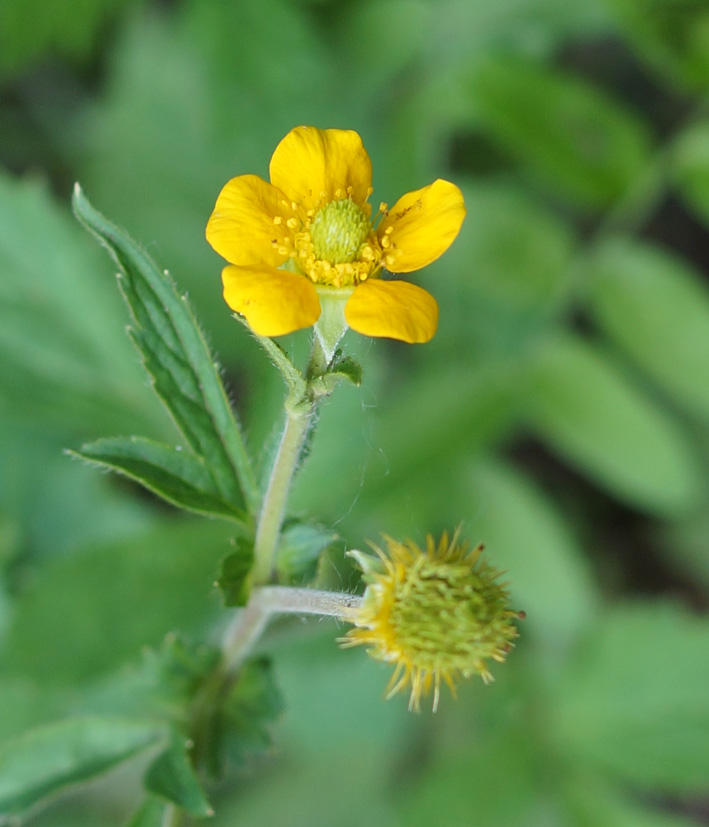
(634,700)
(234,572)
(656,308)
(254,702)
(171,776)
(163,684)
(299,550)
(578,140)
(177,476)
(177,357)
(149,814)
(47,760)
(586,409)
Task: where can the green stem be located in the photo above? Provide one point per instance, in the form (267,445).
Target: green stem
(300,414)
(298,421)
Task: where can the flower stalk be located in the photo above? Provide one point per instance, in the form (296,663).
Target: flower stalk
(301,409)
(266,601)
(299,419)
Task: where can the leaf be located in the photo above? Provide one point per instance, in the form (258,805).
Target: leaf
(163,684)
(634,701)
(149,814)
(690,167)
(520,254)
(592,801)
(177,357)
(114,598)
(47,760)
(171,776)
(573,137)
(72,31)
(656,309)
(526,535)
(254,702)
(584,408)
(234,572)
(177,476)
(64,358)
(300,548)
(671,36)
(464,784)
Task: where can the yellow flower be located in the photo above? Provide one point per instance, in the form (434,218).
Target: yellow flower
(437,614)
(308,235)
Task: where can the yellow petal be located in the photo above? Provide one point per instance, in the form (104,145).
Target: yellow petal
(274,302)
(395,309)
(242,227)
(311,164)
(424,224)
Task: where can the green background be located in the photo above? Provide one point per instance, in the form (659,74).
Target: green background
(561,413)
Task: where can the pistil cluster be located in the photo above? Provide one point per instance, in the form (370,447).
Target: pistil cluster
(336,244)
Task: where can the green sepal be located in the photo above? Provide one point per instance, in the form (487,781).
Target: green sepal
(172,777)
(234,572)
(177,476)
(239,726)
(347,368)
(177,357)
(300,549)
(49,759)
(254,702)
(342,368)
(172,675)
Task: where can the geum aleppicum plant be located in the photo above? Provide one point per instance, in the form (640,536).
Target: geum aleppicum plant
(304,251)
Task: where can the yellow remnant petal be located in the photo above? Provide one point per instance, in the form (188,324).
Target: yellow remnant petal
(314,166)
(422,225)
(396,309)
(248,225)
(274,302)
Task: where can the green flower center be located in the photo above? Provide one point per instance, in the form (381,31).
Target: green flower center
(338,231)
(448,614)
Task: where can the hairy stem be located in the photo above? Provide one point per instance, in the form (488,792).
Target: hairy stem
(298,421)
(300,416)
(269,600)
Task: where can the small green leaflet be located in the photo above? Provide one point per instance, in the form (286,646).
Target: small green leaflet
(240,719)
(177,476)
(171,776)
(186,379)
(46,760)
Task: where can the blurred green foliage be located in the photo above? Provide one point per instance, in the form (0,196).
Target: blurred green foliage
(561,412)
